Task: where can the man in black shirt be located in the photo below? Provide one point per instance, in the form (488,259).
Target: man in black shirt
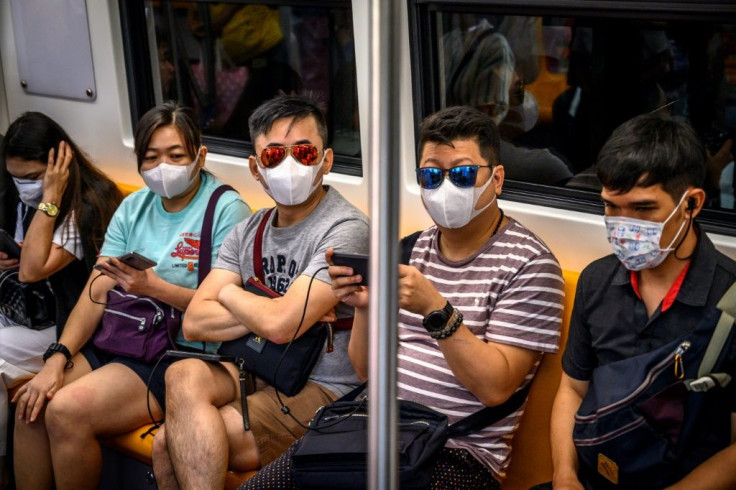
(663,278)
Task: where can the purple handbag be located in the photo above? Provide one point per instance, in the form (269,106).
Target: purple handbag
(141,327)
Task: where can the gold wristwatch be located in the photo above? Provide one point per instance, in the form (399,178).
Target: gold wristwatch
(49,208)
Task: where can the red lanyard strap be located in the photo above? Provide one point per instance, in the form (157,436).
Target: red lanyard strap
(258,247)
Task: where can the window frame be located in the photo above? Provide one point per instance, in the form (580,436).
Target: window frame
(140,78)
(426,97)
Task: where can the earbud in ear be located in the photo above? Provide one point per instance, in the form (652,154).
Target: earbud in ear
(691,203)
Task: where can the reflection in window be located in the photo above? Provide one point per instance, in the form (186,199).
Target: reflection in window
(225,59)
(557,87)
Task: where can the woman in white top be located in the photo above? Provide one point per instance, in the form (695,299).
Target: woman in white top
(58,208)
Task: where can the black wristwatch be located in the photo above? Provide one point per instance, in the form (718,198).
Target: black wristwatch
(436,320)
(57,347)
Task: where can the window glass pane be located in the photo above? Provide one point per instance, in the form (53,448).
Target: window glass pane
(225,59)
(558,86)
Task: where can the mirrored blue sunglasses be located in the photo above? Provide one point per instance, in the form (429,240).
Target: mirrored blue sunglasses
(461,176)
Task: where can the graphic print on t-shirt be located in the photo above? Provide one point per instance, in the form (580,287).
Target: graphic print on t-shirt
(188,251)
(279,270)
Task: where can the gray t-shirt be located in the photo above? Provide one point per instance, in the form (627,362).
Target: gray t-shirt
(300,250)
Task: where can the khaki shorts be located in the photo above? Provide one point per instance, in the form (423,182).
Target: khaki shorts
(275,431)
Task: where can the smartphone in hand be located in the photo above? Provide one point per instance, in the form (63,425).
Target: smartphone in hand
(9,245)
(359,263)
(134,260)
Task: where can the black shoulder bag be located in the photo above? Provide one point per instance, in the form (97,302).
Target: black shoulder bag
(30,304)
(333,453)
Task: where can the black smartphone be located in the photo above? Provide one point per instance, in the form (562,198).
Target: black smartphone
(9,245)
(134,260)
(359,263)
(199,355)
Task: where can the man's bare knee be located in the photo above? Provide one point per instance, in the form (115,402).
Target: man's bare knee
(191,381)
(185,378)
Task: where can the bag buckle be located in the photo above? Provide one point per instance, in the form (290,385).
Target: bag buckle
(700,385)
(708,382)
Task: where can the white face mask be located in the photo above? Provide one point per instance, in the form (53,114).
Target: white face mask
(169,180)
(291,183)
(636,241)
(526,113)
(30,191)
(451,206)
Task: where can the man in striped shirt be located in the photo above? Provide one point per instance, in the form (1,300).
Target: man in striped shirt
(481,298)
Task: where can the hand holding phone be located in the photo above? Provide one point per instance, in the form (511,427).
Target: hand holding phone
(134,260)
(358,262)
(9,245)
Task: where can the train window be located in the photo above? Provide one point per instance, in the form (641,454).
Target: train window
(225,59)
(558,81)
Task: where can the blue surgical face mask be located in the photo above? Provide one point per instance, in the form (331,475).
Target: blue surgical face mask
(30,191)
(636,241)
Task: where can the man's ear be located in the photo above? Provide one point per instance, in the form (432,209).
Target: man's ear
(498,178)
(328,161)
(695,202)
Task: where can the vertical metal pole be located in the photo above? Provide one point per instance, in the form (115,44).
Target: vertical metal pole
(384,157)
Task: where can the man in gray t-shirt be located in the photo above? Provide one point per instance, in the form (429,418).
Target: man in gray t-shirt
(204,433)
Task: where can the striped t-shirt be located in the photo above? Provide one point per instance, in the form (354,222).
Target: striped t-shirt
(510,292)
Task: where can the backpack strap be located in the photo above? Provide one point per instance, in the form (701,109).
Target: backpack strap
(727,304)
(473,422)
(352,395)
(258,247)
(407,245)
(488,415)
(205,237)
(707,380)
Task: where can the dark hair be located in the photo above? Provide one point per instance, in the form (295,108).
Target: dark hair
(652,149)
(461,122)
(90,195)
(167,114)
(297,107)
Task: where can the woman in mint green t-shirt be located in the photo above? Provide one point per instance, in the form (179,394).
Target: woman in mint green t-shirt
(93,393)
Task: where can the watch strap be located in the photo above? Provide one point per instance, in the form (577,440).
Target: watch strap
(61,348)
